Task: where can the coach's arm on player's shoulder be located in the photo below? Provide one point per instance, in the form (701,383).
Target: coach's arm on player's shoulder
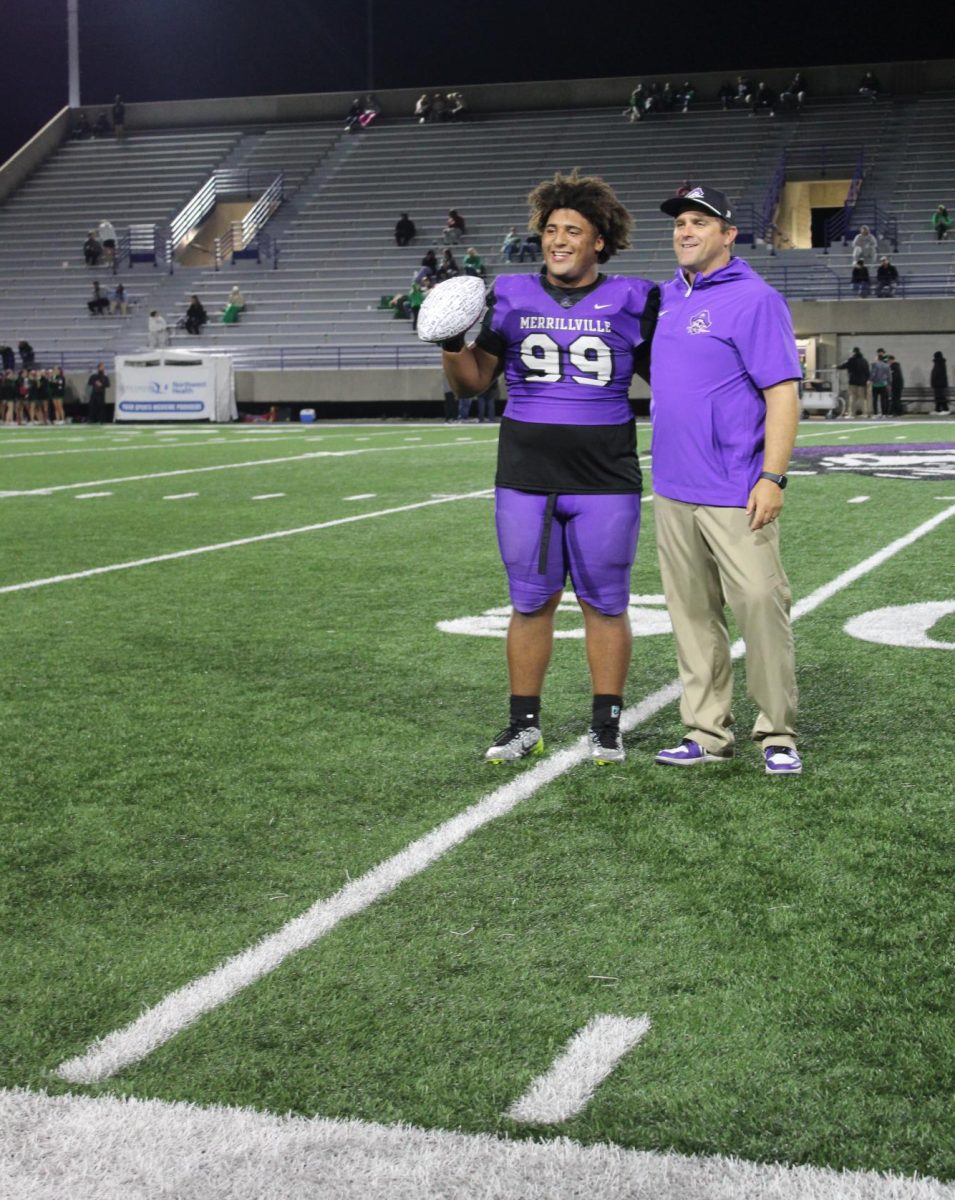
(470,370)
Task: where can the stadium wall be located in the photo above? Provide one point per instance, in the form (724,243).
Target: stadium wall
(39,148)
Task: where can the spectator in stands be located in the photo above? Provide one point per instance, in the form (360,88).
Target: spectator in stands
(448,267)
(763,98)
(530,246)
(939,383)
(234,306)
(686,95)
(100,301)
(439,107)
(794,96)
(668,97)
(472,263)
(82,127)
(454,228)
(654,99)
(370,109)
(196,316)
(158,330)
(58,395)
(119,116)
(634,109)
(119,304)
(27,355)
(896,384)
(353,116)
(92,249)
(886,278)
(107,235)
(726,94)
(861,281)
(456,106)
(869,86)
(858,370)
(865,246)
(402,306)
(880,376)
(422,109)
(101,126)
(96,388)
(742,91)
(415,299)
(511,244)
(941,222)
(405,230)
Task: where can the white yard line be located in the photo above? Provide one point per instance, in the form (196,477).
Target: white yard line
(567,1086)
(255,462)
(247,541)
(112,1148)
(181,1008)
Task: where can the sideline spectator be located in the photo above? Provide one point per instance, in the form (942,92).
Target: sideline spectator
(120,304)
(763,97)
(472,263)
(100,301)
(865,246)
(422,109)
(405,230)
(92,249)
(511,244)
(448,267)
(858,370)
(487,404)
(861,281)
(107,235)
(869,86)
(96,388)
(8,360)
(939,384)
(794,96)
(941,222)
(158,330)
(454,228)
(40,397)
(896,385)
(58,395)
(880,375)
(8,397)
(27,355)
(119,116)
(196,316)
(886,278)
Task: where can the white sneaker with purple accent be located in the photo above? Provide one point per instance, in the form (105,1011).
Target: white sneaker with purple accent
(782,760)
(688,754)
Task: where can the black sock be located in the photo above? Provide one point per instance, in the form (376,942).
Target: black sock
(607,711)
(525,710)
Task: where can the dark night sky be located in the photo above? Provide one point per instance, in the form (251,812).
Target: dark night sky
(180,49)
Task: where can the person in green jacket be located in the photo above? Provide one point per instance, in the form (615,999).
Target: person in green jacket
(942,222)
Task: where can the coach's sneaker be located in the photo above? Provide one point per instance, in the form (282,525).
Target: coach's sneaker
(606,745)
(688,754)
(782,760)
(514,743)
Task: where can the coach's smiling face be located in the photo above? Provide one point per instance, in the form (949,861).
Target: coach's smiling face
(570,244)
(701,243)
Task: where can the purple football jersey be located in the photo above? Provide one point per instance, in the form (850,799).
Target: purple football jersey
(568,366)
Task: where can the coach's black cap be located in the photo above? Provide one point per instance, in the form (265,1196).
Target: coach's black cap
(704,199)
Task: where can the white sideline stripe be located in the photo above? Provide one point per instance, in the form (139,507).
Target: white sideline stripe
(256,462)
(181,1008)
(362,496)
(857,500)
(181,496)
(247,541)
(111,1148)
(570,1082)
(89,495)
(270,496)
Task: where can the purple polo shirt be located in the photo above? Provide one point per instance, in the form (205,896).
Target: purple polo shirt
(718,343)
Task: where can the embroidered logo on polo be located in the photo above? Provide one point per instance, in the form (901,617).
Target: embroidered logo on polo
(700,322)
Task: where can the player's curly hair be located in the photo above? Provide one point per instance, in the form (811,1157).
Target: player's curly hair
(593,198)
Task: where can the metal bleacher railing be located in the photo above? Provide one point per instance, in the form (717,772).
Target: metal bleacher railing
(219,186)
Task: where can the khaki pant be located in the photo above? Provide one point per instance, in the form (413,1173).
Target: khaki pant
(859,400)
(709,557)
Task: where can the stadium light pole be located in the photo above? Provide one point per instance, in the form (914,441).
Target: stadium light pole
(370,44)
(73,43)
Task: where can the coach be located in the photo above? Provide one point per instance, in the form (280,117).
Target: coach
(725,412)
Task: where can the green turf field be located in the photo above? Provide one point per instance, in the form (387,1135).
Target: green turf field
(200,746)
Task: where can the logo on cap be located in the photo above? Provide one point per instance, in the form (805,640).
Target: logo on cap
(695,194)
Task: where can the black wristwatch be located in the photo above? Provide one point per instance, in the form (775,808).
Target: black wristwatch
(779,480)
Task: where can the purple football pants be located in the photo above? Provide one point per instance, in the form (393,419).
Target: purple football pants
(543,539)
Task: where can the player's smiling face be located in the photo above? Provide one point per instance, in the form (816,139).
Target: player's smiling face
(570,245)
(701,245)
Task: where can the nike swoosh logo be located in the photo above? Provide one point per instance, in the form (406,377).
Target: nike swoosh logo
(603,306)
(663,312)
